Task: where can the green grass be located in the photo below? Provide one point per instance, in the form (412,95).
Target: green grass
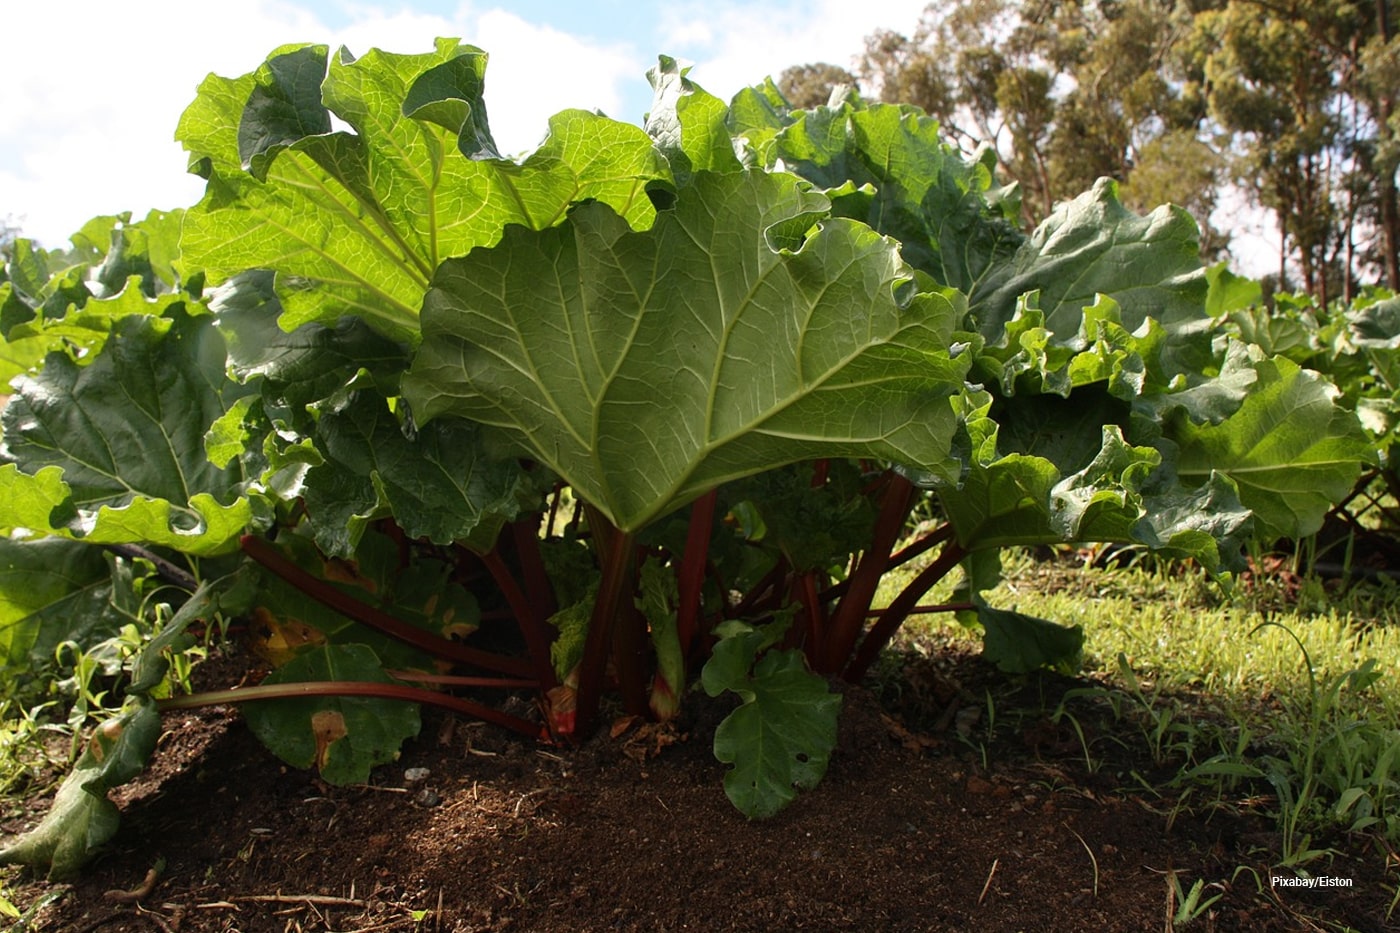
(1281,688)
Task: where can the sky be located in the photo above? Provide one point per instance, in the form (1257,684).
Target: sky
(93,89)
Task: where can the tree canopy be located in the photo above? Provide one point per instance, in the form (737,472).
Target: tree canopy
(1290,102)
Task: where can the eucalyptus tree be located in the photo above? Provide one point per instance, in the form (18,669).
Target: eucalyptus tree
(1065,93)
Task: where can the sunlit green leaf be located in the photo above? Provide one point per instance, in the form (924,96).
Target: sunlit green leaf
(653,366)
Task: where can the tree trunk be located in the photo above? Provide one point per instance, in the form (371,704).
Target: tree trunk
(1390,211)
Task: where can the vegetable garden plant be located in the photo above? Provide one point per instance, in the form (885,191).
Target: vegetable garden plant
(648,406)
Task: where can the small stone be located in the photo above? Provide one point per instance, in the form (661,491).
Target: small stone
(412,776)
(427,797)
(966,718)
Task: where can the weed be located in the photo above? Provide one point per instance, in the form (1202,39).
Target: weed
(1185,907)
(1231,716)
(1330,752)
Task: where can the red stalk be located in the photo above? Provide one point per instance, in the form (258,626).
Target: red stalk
(454,680)
(538,589)
(928,610)
(538,633)
(849,617)
(903,556)
(768,586)
(899,609)
(355,688)
(804,594)
(629,656)
(691,576)
(616,550)
(262,551)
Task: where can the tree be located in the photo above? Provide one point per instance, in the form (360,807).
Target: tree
(9,232)
(1065,93)
(1292,101)
(1305,91)
(1378,82)
(808,86)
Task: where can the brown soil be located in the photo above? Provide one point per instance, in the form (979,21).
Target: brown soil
(911,830)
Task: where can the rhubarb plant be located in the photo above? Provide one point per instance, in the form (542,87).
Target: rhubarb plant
(647,406)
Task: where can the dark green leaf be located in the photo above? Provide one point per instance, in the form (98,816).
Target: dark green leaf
(1094,245)
(1290,449)
(780,740)
(1019,644)
(438,482)
(127,432)
(886,165)
(81,818)
(52,591)
(343,737)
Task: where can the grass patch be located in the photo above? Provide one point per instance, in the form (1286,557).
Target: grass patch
(1281,693)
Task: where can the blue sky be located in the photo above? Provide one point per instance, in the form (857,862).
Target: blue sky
(94,89)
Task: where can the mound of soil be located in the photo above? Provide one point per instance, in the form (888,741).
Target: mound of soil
(914,828)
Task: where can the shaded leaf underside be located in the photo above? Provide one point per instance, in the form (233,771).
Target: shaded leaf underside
(653,366)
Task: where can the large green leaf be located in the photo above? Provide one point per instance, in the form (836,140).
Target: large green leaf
(437,481)
(1094,245)
(51,591)
(1291,450)
(307,365)
(645,368)
(343,737)
(688,124)
(887,165)
(1061,470)
(356,222)
(125,434)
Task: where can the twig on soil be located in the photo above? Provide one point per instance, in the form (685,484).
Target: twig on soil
(155,918)
(142,890)
(988,884)
(521,802)
(314,900)
(1091,858)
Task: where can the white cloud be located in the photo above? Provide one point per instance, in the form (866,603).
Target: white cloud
(536,71)
(92,95)
(94,90)
(1254,236)
(741,47)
